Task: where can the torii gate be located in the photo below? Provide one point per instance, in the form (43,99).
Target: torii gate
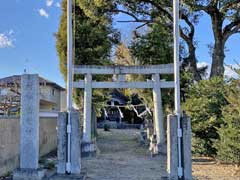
(156,84)
(88,85)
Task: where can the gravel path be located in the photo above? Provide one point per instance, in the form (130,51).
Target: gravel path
(122,158)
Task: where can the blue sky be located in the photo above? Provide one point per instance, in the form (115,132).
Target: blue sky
(29,26)
(27,38)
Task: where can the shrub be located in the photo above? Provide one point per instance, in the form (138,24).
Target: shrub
(228,145)
(204,105)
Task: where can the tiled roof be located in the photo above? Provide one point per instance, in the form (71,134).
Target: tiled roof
(16,80)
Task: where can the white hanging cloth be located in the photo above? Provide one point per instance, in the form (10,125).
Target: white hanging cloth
(148,110)
(143,113)
(120,112)
(105,112)
(135,110)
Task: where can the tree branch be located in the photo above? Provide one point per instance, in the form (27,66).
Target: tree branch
(185,37)
(159,7)
(235,29)
(190,24)
(231,25)
(136,21)
(229,5)
(142,25)
(125,12)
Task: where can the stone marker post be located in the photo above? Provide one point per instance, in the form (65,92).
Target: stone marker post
(172,147)
(29,137)
(62,142)
(187,153)
(75,143)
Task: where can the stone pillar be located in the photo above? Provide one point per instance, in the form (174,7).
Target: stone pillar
(187,145)
(172,147)
(94,124)
(87,109)
(158,113)
(62,142)
(29,137)
(88,147)
(121,78)
(75,143)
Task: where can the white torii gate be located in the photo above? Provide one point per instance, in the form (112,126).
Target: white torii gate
(156,84)
(156,78)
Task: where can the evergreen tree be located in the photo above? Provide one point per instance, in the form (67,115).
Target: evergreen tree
(91,39)
(204,105)
(154,47)
(228,145)
(92,42)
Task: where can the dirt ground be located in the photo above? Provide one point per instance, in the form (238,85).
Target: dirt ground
(121,157)
(209,169)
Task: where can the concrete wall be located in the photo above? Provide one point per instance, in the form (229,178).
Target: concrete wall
(48,135)
(9,141)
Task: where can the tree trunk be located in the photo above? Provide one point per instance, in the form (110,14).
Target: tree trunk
(193,62)
(218,54)
(218,57)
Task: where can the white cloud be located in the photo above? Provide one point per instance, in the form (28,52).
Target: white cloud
(49,3)
(202,64)
(229,73)
(58,4)
(43,13)
(6,39)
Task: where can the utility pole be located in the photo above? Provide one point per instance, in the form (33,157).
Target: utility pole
(177,82)
(69,81)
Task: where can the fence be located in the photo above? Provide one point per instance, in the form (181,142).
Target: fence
(10,139)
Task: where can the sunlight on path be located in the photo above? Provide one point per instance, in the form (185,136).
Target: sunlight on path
(121,157)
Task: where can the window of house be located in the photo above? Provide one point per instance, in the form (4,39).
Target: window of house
(53,92)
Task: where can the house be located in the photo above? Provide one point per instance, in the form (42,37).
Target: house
(52,95)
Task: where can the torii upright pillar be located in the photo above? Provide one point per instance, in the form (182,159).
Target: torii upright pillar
(88,146)
(87,109)
(158,114)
